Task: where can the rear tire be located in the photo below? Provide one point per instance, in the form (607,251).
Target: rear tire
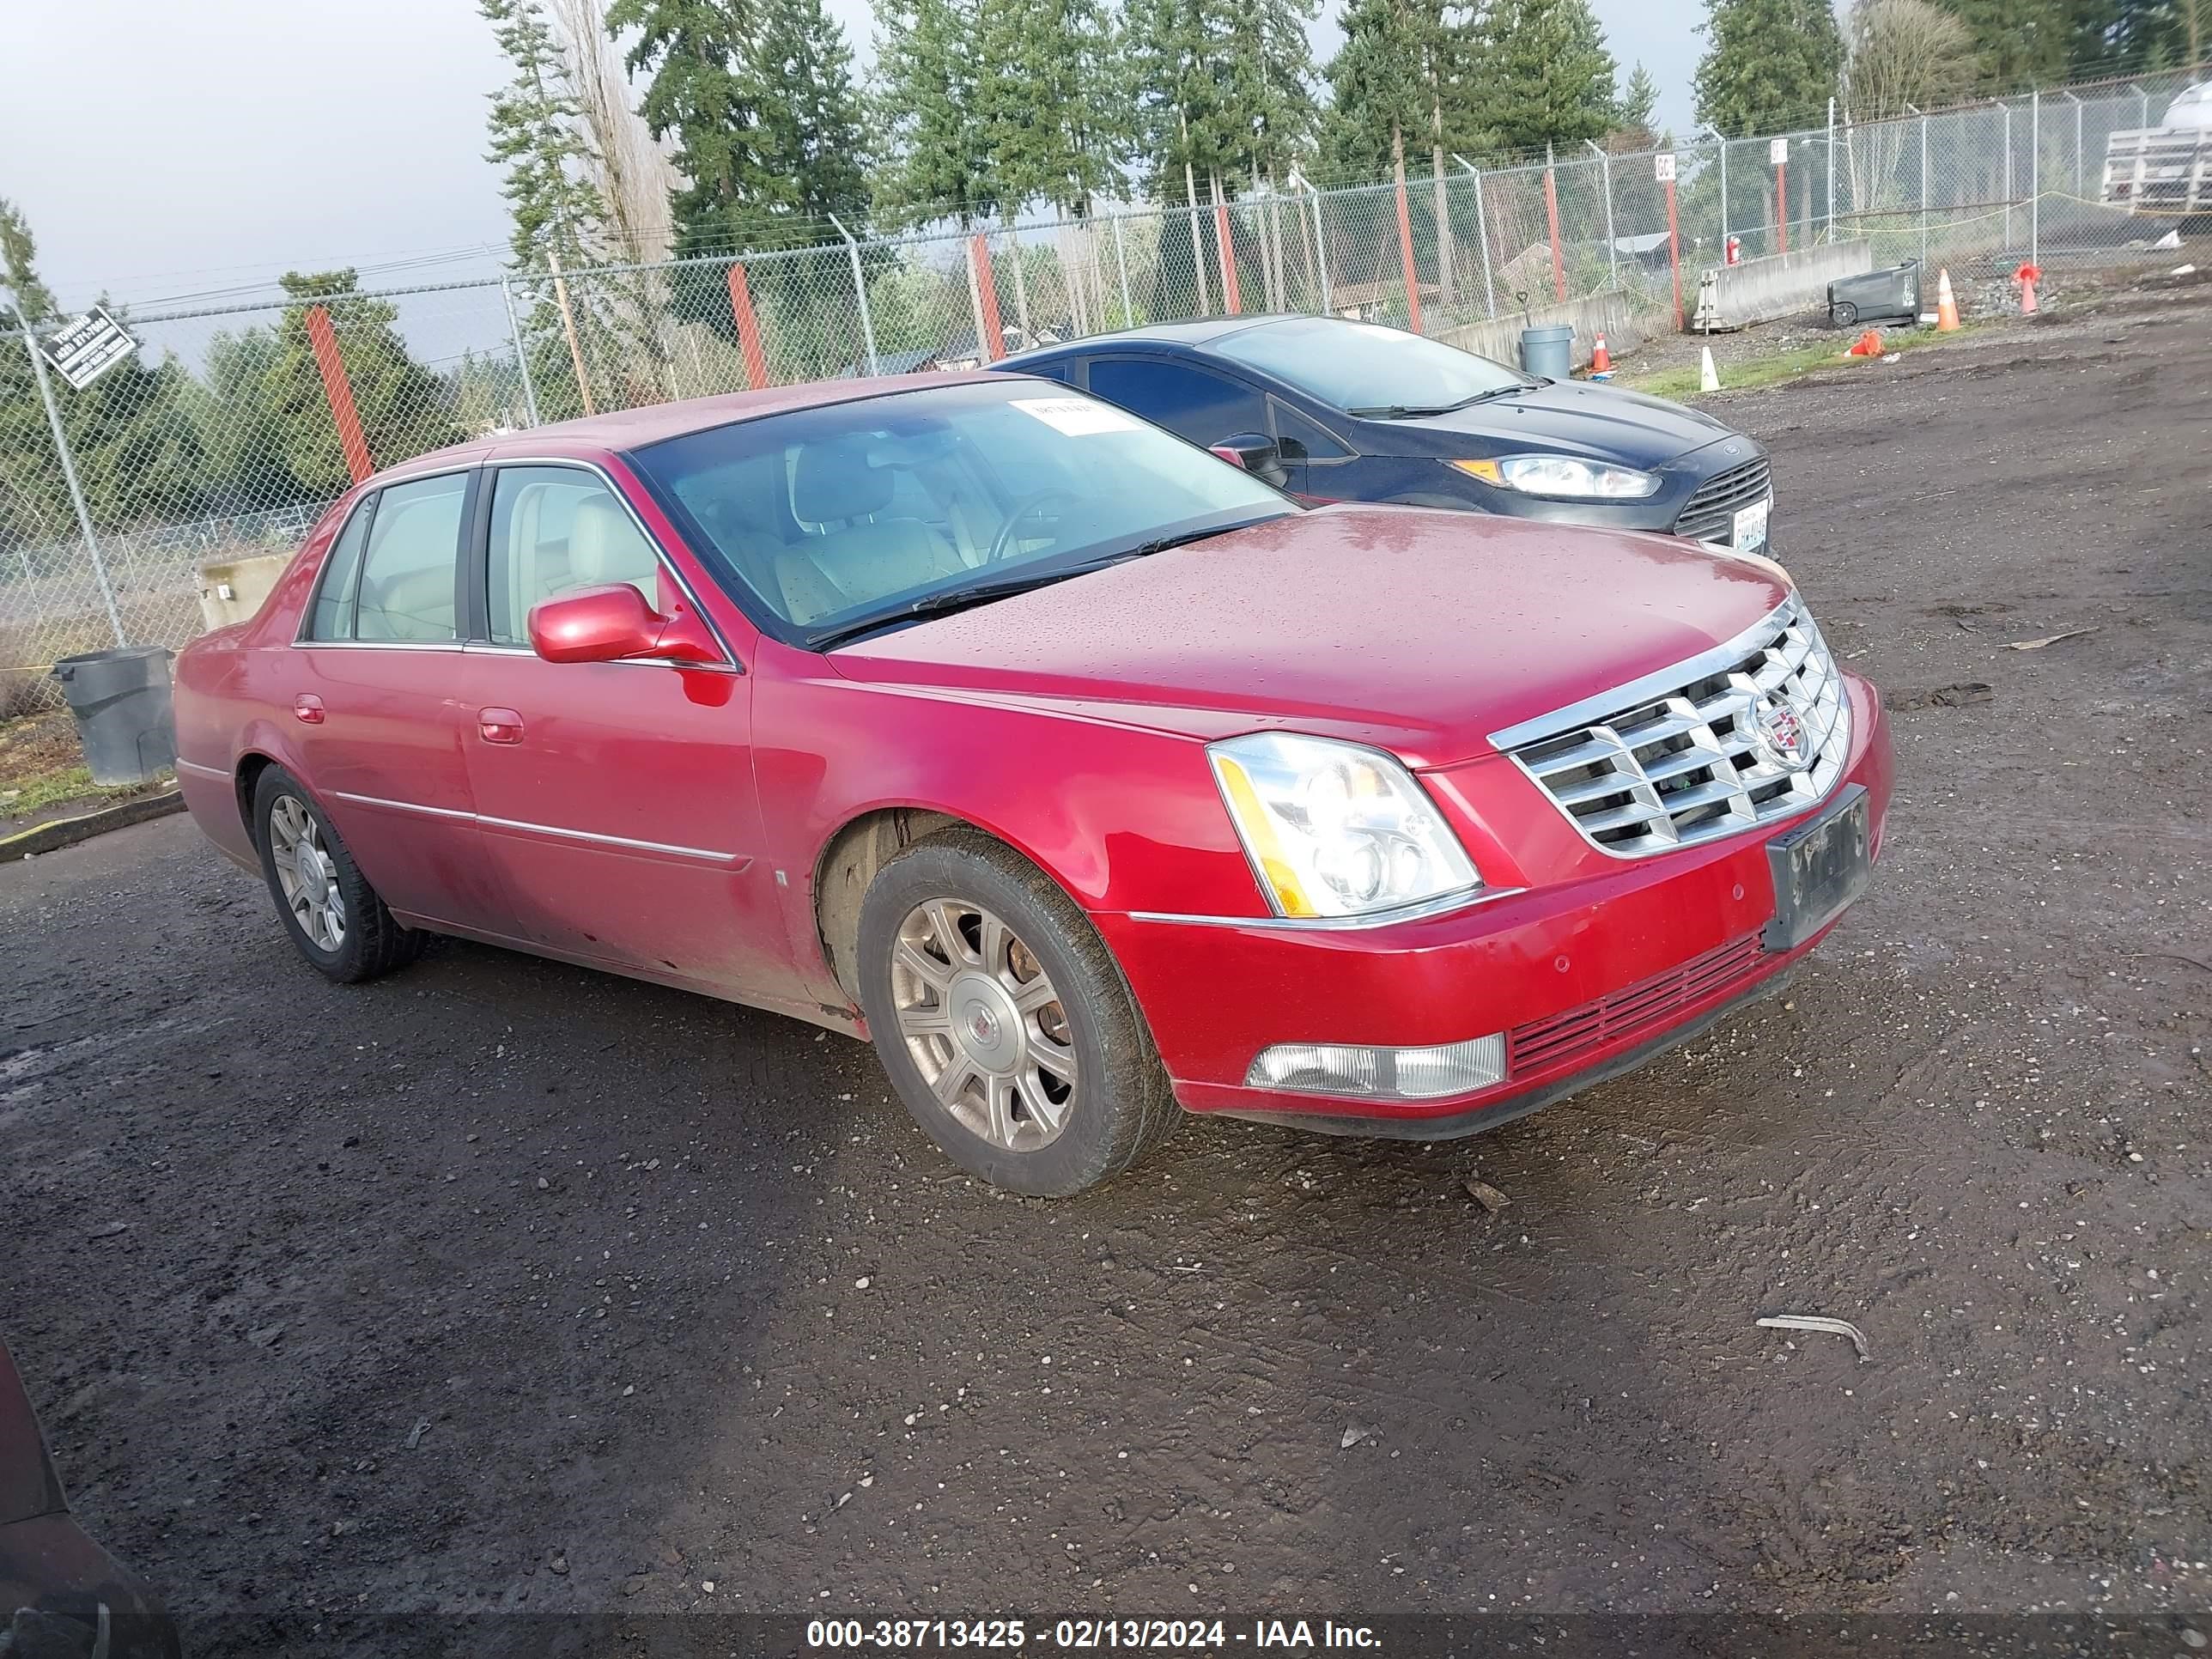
(1006,1027)
(1844,314)
(336,919)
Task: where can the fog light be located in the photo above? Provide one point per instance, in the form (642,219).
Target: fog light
(1336,1068)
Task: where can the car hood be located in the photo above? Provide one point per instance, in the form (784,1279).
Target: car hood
(1418,631)
(1597,422)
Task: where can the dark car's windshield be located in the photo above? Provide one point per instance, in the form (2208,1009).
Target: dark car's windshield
(889,507)
(1357,366)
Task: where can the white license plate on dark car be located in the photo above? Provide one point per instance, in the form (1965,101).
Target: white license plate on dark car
(1750,531)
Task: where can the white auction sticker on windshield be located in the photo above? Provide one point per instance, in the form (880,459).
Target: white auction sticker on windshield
(1079,417)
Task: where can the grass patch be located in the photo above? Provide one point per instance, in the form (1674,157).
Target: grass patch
(1745,374)
(41,766)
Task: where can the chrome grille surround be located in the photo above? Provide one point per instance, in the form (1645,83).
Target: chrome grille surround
(1691,753)
(1709,513)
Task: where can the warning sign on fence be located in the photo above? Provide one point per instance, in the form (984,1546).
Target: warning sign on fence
(1777,151)
(88,346)
(1662,168)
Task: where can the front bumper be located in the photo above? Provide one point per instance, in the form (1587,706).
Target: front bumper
(1587,975)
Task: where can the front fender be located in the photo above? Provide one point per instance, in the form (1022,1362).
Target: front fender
(1121,817)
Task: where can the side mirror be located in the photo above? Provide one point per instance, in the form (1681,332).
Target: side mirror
(596,625)
(1257,454)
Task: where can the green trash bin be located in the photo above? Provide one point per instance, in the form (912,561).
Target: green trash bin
(120,701)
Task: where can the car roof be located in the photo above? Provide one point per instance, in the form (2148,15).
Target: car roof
(623,429)
(1203,331)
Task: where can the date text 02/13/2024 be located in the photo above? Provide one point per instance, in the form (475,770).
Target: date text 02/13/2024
(1080,1635)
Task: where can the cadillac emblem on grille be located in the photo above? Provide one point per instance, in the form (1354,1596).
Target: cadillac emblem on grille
(1780,733)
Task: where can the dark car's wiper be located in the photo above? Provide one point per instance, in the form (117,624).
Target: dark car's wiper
(1404,412)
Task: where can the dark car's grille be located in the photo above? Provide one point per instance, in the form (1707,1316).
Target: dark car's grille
(1710,514)
(1543,1043)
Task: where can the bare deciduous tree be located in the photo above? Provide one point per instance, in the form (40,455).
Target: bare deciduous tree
(1899,56)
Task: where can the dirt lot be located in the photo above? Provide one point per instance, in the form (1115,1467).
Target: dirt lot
(675,1295)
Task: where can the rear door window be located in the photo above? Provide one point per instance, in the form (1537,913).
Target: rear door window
(408,573)
(1194,403)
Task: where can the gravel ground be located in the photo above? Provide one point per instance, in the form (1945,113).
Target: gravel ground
(497,1285)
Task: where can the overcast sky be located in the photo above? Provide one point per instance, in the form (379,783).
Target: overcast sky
(167,152)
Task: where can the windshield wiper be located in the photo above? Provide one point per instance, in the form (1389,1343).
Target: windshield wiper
(962,599)
(1403,412)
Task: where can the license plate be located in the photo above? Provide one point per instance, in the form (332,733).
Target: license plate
(1818,869)
(1750,533)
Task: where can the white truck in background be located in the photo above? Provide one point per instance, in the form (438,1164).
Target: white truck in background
(2166,169)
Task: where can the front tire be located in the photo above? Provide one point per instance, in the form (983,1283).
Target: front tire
(1007,1029)
(336,919)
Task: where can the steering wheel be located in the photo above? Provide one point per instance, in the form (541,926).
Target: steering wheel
(1024,509)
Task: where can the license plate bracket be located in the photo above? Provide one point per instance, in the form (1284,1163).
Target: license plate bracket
(1747,533)
(1819,868)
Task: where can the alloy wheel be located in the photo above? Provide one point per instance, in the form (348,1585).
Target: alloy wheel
(984,1023)
(307,872)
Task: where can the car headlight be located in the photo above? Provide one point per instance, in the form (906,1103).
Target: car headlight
(1563,475)
(1336,830)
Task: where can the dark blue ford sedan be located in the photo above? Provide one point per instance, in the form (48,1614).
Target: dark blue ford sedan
(1333,409)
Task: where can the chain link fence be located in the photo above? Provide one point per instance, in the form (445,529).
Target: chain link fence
(231,428)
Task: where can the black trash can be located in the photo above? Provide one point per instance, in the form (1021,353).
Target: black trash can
(120,700)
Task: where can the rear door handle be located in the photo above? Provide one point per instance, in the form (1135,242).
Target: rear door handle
(307,708)
(499,726)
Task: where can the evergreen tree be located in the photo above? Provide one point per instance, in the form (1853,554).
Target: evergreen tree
(1633,109)
(239,428)
(2017,43)
(1769,64)
(404,408)
(1051,106)
(1373,101)
(19,259)
(535,135)
(760,102)
(925,104)
(1546,77)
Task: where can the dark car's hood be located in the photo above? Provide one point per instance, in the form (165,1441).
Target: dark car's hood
(1598,423)
(1419,631)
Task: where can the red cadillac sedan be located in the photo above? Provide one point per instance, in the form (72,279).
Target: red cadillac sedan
(1082,772)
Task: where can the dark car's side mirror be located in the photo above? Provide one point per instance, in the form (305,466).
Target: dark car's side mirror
(596,625)
(1257,454)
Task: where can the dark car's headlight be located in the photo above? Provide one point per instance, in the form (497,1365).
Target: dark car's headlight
(1336,830)
(1563,476)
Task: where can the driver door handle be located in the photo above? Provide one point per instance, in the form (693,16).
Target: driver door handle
(499,726)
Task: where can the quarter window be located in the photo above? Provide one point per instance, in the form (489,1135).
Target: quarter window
(333,618)
(554,529)
(407,584)
(1189,402)
(1301,440)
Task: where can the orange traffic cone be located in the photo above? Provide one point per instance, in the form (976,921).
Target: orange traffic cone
(2028,276)
(1600,359)
(1947,303)
(1868,344)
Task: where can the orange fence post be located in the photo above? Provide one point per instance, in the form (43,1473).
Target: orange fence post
(979,254)
(1675,251)
(324,340)
(1551,213)
(1230,296)
(749,334)
(1406,257)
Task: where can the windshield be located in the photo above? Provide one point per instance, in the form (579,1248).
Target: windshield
(1362,365)
(890,506)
